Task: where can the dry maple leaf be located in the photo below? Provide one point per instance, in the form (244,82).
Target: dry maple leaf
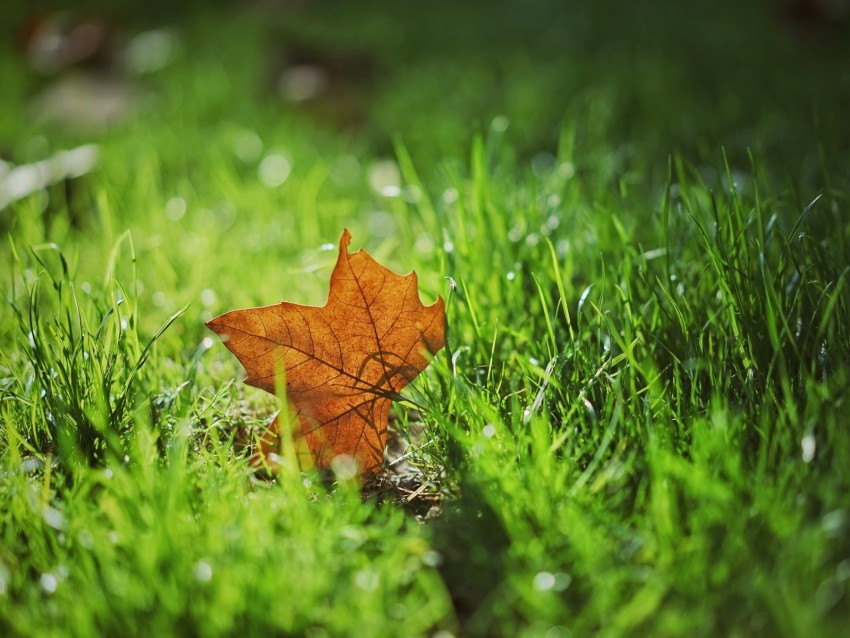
(343,362)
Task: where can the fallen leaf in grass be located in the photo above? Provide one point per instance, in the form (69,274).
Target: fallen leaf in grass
(343,362)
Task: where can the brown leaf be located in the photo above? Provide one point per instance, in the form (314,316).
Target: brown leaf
(343,362)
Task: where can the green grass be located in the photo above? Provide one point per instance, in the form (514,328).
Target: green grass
(637,426)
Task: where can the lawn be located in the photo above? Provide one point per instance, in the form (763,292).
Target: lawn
(636,215)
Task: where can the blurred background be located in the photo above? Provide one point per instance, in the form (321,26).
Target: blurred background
(657,77)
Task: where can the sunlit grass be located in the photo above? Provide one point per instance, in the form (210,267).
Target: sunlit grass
(636,427)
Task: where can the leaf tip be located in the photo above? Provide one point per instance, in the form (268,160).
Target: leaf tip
(215,325)
(344,240)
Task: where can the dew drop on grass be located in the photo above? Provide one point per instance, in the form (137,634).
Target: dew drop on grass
(450,196)
(302,82)
(175,208)
(448,246)
(424,245)
(842,572)
(54,518)
(352,537)
(510,276)
(208,297)
(544,581)
(543,163)
(30,465)
(562,248)
(809,447)
(274,170)
(500,123)
(675,191)
(49,582)
(151,51)
(367,579)
(275,459)
(248,146)
(562,581)
(489,430)
(385,178)
(833,522)
(566,170)
(85,539)
(828,594)
(202,571)
(432,558)
(344,467)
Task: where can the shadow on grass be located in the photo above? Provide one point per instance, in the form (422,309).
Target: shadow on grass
(473,544)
